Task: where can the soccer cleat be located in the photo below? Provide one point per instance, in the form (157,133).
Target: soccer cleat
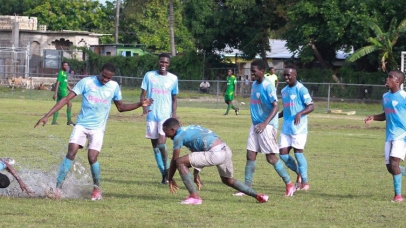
(239,194)
(54,123)
(53,193)
(298,181)
(397,198)
(96,194)
(70,123)
(304,187)
(192,201)
(262,198)
(164,180)
(237,111)
(225,114)
(290,189)
(10,161)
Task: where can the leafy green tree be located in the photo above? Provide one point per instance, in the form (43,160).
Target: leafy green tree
(383,42)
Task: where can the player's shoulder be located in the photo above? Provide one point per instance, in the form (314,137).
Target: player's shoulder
(171,75)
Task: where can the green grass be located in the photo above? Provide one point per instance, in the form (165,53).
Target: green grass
(350,186)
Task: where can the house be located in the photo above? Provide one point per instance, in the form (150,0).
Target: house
(126,50)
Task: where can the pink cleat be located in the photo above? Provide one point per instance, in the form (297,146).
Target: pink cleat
(96,194)
(192,201)
(290,189)
(298,181)
(304,187)
(397,198)
(262,198)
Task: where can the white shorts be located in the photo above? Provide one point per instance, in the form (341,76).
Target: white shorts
(295,141)
(264,142)
(80,135)
(154,129)
(395,148)
(220,156)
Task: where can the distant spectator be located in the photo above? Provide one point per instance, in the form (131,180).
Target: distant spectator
(204,86)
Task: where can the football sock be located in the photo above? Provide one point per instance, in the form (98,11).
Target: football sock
(188,181)
(158,158)
(249,171)
(289,161)
(69,114)
(63,171)
(164,154)
(402,170)
(55,117)
(302,163)
(397,184)
(244,188)
(95,168)
(282,171)
(228,108)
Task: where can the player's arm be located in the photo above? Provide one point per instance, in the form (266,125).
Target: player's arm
(56,90)
(197,179)
(260,127)
(13,172)
(56,108)
(142,97)
(235,87)
(173,187)
(121,107)
(308,109)
(174,105)
(379,117)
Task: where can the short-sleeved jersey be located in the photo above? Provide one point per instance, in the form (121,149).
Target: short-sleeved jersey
(63,83)
(294,100)
(394,106)
(194,137)
(261,99)
(161,89)
(272,77)
(231,84)
(96,101)
(2,165)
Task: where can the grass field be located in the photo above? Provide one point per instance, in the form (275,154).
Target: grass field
(350,186)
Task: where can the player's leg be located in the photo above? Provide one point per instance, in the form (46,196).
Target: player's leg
(394,152)
(269,146)
(164,153)
(94,147)
(152,133)
(298,143)
(69,113)
(228,102)
(285,144)
(55,116)
(183,165)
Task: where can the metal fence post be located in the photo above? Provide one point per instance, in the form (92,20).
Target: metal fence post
(328,98)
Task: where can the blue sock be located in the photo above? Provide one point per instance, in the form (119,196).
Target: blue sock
(249,171)
(188,181)
(164,154)
(397,184)
(244,188)
(95,168)
(302,162)
(282,171)
(158,158)
(63,171)
(290,162)
(402,170)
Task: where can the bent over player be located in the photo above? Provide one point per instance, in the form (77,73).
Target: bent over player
(207,149)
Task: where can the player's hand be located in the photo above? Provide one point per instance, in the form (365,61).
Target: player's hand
(259,128)
(43,120)
(147,102)
(198,183)
(24,188)
(297,119)
(145,111)
(54,96)
(368,120)
(173,187)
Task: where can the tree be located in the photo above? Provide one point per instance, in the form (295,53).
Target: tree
(383,42)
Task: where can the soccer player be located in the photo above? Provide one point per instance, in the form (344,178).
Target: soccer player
(207,149)
(272,77)
(394,112)
(61,90)
(262,136)
(162,86)
(297,103)
(6,164)
(97,93)
(231,92)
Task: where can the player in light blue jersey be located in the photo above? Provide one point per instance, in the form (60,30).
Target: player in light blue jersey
(207,149)
(262,135)
(394,112)
(297,103)
(162,86)
(6,164)
(97,93)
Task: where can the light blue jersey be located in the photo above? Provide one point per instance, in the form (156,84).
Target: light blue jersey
(96,101)
(2,165)
(194,137)
(262,97)
(160,88)
(394,106)
(294,100)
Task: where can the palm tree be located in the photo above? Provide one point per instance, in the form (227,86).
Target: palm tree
(383,42)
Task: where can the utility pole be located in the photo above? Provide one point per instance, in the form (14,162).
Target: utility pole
(171,25)
(117,20)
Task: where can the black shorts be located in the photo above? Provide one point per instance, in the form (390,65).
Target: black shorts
(4,181)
